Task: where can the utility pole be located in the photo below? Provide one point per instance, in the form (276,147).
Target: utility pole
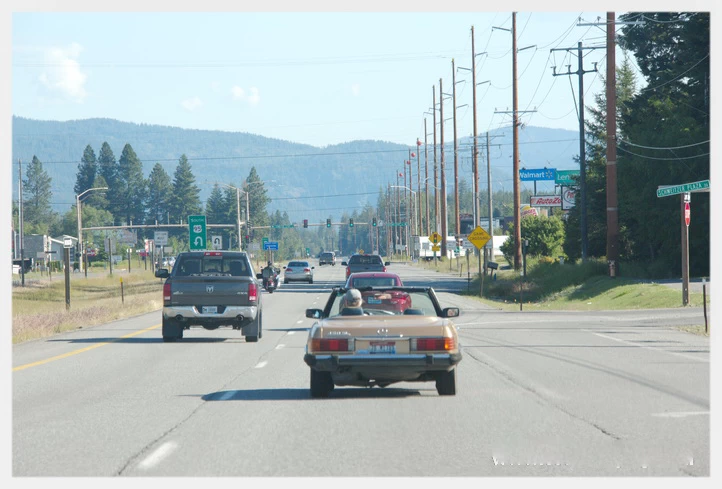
(517,196)
(426,177)
(456,155)
(437,225)
(491,191)
(20,223)
(417,199)
(612,205)
(443,173)
(582,143)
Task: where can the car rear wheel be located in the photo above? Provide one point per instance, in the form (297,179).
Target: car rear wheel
(446,383)
(310,281)
(321,383)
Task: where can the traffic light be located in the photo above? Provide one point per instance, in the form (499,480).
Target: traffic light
(350,222)
(305,223)
(248,238)
(374,222)
(328,223)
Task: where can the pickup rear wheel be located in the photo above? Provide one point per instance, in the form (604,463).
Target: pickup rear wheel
(259,329)
(321,383)
(172,330)
(446,383)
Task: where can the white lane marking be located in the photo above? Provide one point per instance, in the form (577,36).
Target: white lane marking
(158,455)
(278,347)
(631,343)
(680,414)
(291,332)
(299,321)
(261,364)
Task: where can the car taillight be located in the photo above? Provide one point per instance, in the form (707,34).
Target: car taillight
(348,272)
(166,292)
(306,269)
(429,344)
(329,344)
(252,292)
(289,270)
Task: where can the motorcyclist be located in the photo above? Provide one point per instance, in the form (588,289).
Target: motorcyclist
(270,275)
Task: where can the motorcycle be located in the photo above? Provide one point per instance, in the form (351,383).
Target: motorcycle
(270,283)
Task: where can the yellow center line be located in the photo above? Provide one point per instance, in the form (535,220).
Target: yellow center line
(82,350)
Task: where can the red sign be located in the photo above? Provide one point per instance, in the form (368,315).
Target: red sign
(546,201)
(687,213)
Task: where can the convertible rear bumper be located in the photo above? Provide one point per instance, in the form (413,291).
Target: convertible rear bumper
(420,361)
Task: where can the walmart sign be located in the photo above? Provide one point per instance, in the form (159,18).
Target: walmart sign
(539,174)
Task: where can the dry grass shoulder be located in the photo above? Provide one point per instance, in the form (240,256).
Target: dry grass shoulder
(39,309)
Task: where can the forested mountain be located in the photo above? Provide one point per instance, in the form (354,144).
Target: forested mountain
(305,181)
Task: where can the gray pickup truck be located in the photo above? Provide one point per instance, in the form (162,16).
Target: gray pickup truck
(211,289)
(364,263)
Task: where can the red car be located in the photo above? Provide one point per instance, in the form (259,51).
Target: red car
(394,301)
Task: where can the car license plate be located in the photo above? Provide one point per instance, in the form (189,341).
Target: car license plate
(373,300)
(382,347)
(210,309)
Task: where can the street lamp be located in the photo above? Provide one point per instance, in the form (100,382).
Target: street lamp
(238,209)
(411,213)
(83,254)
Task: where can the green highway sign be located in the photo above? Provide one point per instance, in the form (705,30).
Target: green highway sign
(197,229)
(402,224)
(682,189)
(282,226)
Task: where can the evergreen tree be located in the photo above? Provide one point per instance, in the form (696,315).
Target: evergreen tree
(258,199)
(108,169)
(131,187)
(87,171)
(37,193)
(216,207)
(185,197)
(97,198)
(159,192)
(666,140)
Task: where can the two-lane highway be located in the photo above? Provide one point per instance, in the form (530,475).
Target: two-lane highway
(539,394)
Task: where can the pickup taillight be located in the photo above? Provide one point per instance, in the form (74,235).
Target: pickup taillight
(306,269)
(166,292)
(384,268)
(252,292)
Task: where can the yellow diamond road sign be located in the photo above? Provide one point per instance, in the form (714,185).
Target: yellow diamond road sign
(479,237)
(435,237)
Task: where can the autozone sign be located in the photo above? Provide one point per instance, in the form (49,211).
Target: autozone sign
(545,201)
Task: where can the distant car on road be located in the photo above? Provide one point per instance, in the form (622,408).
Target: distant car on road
(396,301)
(327,258)
(298,271)
(364,263)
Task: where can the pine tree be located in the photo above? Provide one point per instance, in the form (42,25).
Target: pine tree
(185,198)
(159,192)
(108,169)
(87,171)
(37,193)
(257,199)
(131,187)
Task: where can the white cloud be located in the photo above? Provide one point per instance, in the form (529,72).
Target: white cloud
(63,74)
(192,103)
(238,93)
(356,89)
(252,98)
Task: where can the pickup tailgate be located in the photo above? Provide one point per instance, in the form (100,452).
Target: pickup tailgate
(210,291)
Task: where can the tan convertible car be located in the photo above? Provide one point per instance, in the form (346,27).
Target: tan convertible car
(375,347)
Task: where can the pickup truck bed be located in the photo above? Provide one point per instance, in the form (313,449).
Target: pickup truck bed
(211,289)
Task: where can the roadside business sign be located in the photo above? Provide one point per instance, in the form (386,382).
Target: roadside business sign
(667,190)
(537,174)
(545,200)
(197,230)
(568,198)
(479,237)
(566,177)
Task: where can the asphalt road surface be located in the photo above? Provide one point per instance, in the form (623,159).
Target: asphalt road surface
(539,394)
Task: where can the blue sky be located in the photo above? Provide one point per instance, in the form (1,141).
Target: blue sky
(318,78)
